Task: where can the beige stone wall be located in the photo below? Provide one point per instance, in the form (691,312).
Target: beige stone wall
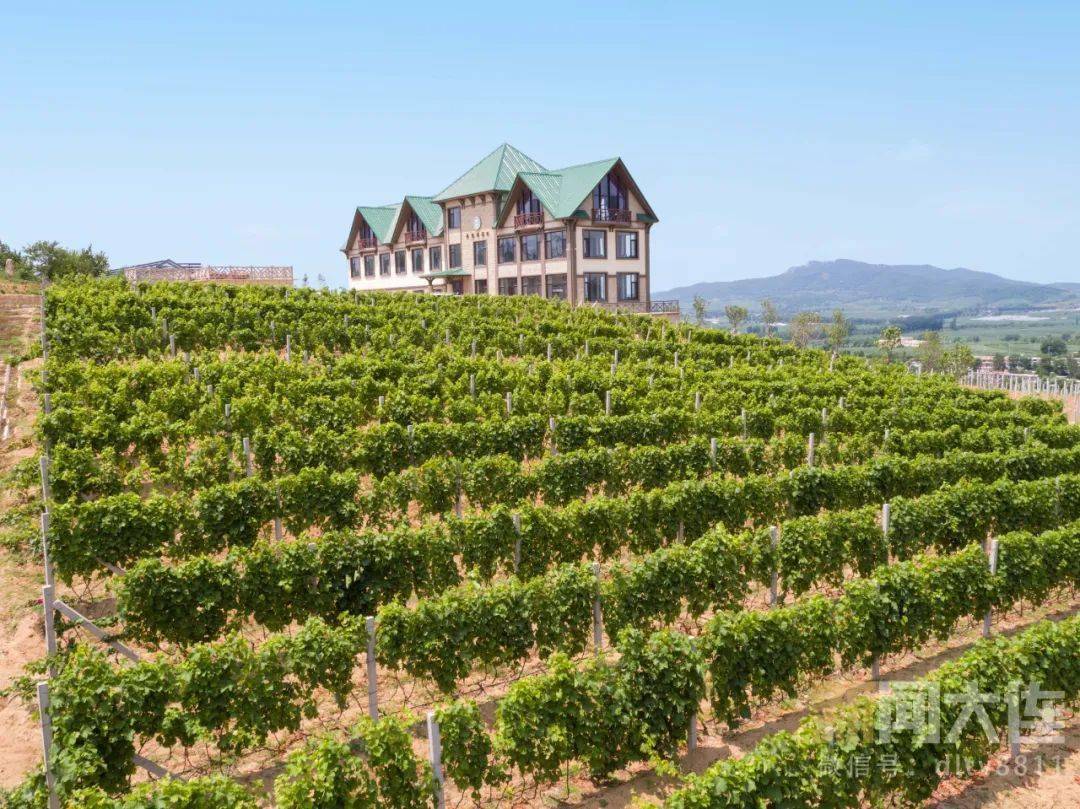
(482,207)
(610,265)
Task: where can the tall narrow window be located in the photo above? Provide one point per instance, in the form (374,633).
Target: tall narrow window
(506,250)
(555,244)
(626,242)
(595,286)
(435,262)
(354,267)
(594,243)
(480,287)
(399,262)
(627,283)
(528,202)
(384,264)
(609,194)
(530,247)
(530,285)
(453,218)
(479,253)
(416,228)
(454,251)
(369,266)
(418,259)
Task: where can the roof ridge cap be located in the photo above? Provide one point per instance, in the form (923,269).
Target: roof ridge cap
(589,163)
(461,176)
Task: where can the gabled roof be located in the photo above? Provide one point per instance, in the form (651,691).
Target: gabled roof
(381,219)
(563,190)
(429,212)
(495,172)
(547,186)
(577,182)
(505,170)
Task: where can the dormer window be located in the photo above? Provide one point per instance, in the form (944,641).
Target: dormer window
(367,237)
(528,203)
(609,200)
(415,228)
(609,194)
(528,210)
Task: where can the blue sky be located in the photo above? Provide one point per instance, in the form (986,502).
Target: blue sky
(764,135)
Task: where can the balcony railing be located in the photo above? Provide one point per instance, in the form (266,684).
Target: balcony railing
(368,244)
(621,215)
(638,307)
(415,235)
(230,274)
(524,220)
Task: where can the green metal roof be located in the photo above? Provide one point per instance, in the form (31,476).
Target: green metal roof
(381,219)
(561,191)
(429,212)
(495,172)
(546,185)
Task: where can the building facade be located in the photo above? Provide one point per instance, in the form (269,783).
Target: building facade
(508,226)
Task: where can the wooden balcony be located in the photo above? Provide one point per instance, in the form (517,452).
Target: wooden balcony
(528,220)
(620,216)
(369,244)
(415,235)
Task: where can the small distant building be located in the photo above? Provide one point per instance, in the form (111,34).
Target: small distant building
(169,270)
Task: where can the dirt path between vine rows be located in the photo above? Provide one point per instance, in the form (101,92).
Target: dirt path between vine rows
(22,634)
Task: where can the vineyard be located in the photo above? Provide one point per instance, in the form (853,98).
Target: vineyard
(310,549)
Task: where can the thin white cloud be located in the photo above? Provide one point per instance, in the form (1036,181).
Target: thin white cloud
(914,151)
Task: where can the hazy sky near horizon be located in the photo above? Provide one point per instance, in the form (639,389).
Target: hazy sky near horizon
(764,135)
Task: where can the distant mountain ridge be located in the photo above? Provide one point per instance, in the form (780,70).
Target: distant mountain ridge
(863,289)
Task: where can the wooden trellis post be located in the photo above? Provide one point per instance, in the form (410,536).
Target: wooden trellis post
(435,755)
(774,543)
(597,615)
(46,743)
(372,670)
(988,619)
(516,518)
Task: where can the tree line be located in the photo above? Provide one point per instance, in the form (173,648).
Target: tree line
(52,261)
(808,327)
